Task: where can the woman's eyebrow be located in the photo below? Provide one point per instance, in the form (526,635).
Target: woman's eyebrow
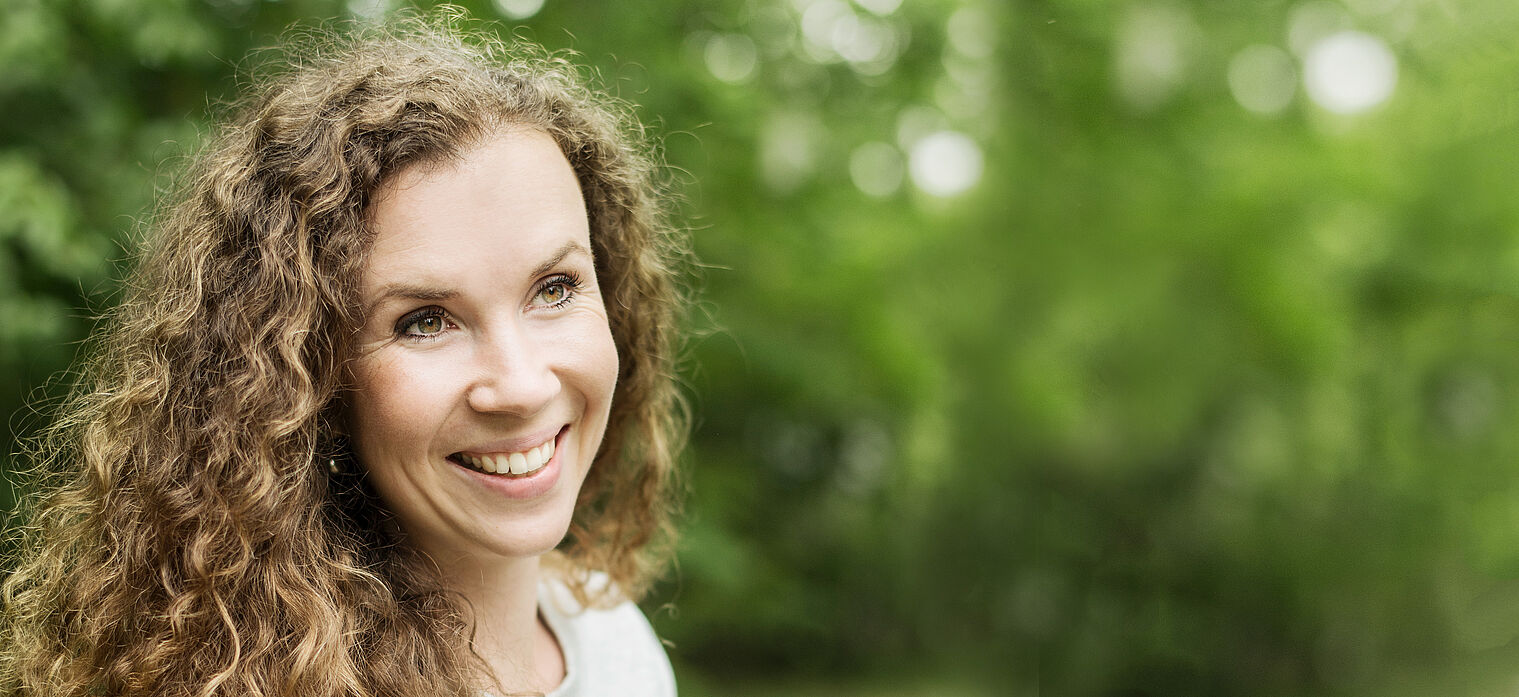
(559,255)
(410,292)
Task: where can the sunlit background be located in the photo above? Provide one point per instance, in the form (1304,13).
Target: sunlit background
(1048,347)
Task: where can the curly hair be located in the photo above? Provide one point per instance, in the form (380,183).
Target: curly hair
(191,539)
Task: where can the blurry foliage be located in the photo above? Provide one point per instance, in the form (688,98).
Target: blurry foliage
(1180,397)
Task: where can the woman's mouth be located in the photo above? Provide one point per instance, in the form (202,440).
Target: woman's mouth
(518,464)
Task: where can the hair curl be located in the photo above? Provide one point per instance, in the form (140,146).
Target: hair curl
(192,540)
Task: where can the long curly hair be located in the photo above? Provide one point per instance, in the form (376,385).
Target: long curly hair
(191,538)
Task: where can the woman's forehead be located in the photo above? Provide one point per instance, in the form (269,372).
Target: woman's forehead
(513,194)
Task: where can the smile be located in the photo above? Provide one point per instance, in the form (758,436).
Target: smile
(519,464)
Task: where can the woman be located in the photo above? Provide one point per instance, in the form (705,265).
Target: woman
(387,402)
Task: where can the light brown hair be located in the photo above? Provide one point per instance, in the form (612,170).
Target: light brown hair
(191,539)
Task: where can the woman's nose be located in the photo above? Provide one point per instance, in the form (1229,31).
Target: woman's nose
(513,374)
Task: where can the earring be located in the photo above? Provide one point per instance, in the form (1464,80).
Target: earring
(339,453)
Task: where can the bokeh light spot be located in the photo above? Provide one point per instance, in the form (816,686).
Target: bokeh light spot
(833,32)
(971,32)
(818,22)
(916,122)
(732,58)
(861,39)
(1262,79)
(879,8)
(787,151)
(1313,21)
(518,9)
(945,163)
(774,30)
(1151,48)
(876,169)
(1350,72)
(368,9)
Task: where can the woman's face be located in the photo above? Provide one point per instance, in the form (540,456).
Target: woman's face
(485,348)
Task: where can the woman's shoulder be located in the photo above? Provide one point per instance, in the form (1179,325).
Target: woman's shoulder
(607,650)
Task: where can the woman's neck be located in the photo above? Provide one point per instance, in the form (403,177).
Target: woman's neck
(508,632)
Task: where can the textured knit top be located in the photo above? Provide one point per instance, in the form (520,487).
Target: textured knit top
(606,652)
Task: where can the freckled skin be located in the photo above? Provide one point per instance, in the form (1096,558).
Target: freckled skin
(517,355)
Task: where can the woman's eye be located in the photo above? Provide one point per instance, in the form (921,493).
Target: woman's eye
(557,291)
(553,293)
(423,324)
(427,325)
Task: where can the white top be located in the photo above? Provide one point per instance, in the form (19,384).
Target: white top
(606,652)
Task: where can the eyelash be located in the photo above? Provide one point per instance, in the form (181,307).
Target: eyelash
(571,284)
(569,281)
(407,322)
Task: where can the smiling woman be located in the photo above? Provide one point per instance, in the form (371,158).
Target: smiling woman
(498,350)
(486,346)
(388,408)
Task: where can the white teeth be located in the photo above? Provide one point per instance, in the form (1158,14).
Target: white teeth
(530,460)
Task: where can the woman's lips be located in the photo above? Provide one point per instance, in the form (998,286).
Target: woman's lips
(521,463)
(511,464)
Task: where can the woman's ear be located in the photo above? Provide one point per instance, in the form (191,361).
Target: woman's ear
(332,446)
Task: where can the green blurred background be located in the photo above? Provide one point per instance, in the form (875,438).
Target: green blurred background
(1061,347)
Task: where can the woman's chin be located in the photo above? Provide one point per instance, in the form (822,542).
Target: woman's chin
(528,539)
